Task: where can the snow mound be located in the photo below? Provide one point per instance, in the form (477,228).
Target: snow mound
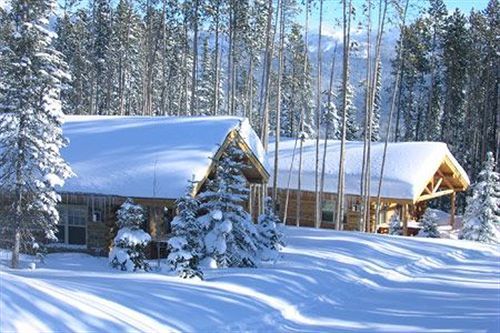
(133,237)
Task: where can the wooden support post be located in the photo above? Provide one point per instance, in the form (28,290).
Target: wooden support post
(452,212)
(250,200)
(263,197)
(405,220)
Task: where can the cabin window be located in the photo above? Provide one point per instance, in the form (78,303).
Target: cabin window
(72,227)
(327,211)
(97,215)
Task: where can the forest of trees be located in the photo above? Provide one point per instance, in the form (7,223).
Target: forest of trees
(252,58)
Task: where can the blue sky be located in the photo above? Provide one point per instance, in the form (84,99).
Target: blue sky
(333,9)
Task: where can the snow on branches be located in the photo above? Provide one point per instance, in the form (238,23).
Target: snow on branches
(481,220)
(214,230)
(270,230)
(185,246)
(395,225)
(32,73)
(130,242)
(429,224)
(232,239)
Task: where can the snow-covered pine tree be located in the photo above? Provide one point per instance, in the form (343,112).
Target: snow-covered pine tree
(126,61)
(101,56)
(270,230)
(205,83)
(130,242)
(186,245)
(232,238)
(30,124)
(429,224)
(297,91)
(352,127)
(74,42)
(481,221)
(331,119)
(455,103)
(395,225)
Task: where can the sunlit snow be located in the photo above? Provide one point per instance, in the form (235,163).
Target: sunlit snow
(326,281)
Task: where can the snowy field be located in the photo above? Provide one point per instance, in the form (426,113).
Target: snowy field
(325,281)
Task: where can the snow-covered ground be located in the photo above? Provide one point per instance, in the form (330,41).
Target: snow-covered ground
(325,281)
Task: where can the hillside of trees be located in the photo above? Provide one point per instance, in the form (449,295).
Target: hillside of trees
(260,59)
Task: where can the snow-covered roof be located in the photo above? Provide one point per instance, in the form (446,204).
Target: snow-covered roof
(146,156)
(408,168)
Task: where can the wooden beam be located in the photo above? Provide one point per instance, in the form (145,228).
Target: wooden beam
(435,195)
(436,187)
(405,220)
(452,213)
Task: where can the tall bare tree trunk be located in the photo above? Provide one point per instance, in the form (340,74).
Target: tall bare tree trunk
(393,105)
(287,197)
(229,63)
(215,110)
(318,203)
(267,75)
(302,116)
(278,104)
(194,69)
(378,46)
(325,143)
(346,13)
(20,182)
(366,124)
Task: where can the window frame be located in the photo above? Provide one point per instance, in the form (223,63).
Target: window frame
(67,212)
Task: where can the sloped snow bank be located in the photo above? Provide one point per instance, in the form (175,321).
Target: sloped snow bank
(325,281)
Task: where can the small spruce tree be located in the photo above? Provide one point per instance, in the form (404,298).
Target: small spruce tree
(395,225)
(128,251)
(269,228)
(232,238)
(429,223)
(186,246)
(481,220)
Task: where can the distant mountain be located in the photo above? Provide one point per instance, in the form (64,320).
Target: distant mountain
(357,63)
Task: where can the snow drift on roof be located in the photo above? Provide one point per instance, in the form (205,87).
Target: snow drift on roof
(408,166)
(146,156)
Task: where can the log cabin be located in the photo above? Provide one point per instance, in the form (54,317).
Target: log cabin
(148,159)
(414,174)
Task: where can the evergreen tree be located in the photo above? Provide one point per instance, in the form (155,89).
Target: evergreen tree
(455,58)
(232,239)
(125,64)
(205,85)
(429,224)
(75,43)
(395,225)
(481,221)
(128,250)
(297,87)
(269,228)
(352,127)
(186,246)
(101,56)
(414,69)
(30,123)
(331,119)
(436,23)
